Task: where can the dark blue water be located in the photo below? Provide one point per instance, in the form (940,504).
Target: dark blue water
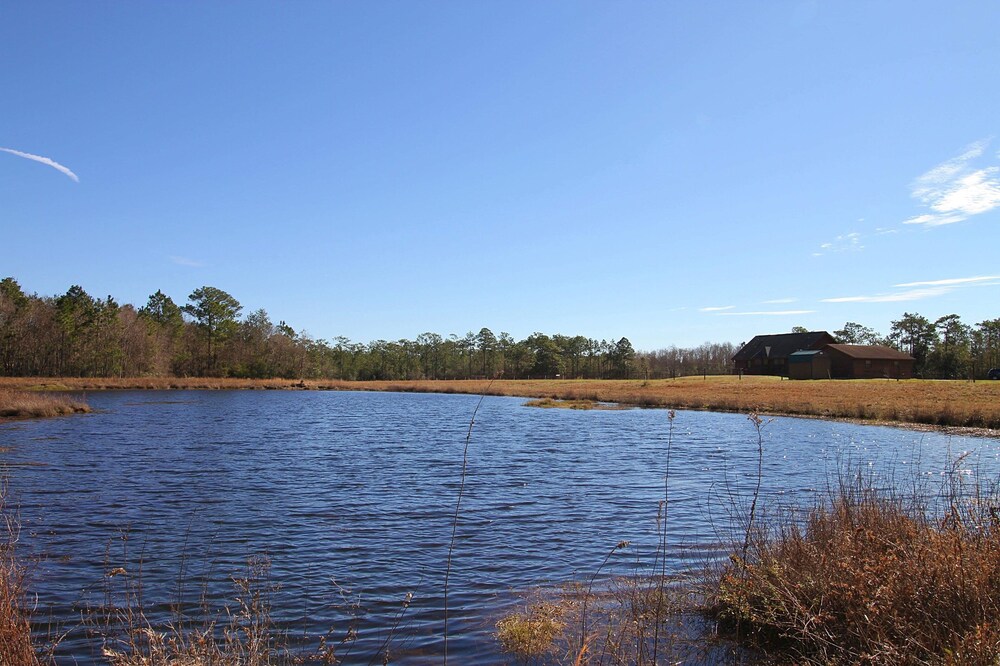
(351,497)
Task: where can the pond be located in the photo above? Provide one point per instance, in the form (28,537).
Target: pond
(351,497)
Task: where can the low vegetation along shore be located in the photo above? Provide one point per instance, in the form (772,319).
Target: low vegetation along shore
(18,404)
(955,403)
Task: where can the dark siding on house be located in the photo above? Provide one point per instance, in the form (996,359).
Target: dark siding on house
(811,364)
(768,354)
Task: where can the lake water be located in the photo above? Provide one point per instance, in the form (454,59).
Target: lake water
(352,495)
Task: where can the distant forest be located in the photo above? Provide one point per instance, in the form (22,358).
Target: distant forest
(77,335)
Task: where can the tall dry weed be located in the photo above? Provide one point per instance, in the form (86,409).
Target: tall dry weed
(16,645)
(873,576)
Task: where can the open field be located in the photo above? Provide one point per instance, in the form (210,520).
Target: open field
(931,402)
(943,403)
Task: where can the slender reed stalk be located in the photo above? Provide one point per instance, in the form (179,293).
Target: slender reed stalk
(458,507)
(384,648)
(590,587)
(758,424)
(671,415)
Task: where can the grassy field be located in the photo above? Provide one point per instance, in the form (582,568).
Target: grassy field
(932,402)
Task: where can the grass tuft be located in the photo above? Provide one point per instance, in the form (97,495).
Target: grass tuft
(871,577)
(531,634)
(16,647)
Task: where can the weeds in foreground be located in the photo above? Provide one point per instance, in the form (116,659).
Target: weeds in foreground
(632,619)
(16,647)
(874,577)
(636,619)
(242,635)
(533,631)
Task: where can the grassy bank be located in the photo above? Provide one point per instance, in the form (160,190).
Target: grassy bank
(17,404)
(930,402)
(942,403)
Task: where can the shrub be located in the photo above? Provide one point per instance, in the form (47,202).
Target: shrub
(870,577)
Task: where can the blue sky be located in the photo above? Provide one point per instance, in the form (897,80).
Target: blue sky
(674,172)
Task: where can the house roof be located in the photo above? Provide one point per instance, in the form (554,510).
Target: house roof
(871,352)
(781,345)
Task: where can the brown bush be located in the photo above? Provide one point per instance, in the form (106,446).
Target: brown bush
(16,648)
(870,578)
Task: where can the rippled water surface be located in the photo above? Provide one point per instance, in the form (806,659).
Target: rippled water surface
(352,495)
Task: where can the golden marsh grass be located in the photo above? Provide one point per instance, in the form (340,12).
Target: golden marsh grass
(956,403)
(17,404)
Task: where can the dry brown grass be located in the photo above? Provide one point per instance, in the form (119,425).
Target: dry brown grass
(531,633)
(16,647)
(872,578)
(15,404)
(243,635)
(550,403)
(930,402)
(150,383)
(630,620)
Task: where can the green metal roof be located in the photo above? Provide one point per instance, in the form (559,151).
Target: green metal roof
(803,356)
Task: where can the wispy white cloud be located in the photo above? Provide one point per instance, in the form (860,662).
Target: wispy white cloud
(184,261)
(44,160)
(928,220)
(777,313)
(716,308)
(891,297)
(850,242)
(919,290)
(779,301)
(955,190)
(951,281)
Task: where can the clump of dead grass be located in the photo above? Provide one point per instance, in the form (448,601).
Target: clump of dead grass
(16,646)
(531,633)
(28,404)
(630,619)
(241,634)
(573,403)
(872,577)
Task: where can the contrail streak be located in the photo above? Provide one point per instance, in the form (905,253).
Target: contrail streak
(44,160)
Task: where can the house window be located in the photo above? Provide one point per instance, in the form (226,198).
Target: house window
(868,363)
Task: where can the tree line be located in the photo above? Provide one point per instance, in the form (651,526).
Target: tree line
(945,348)
(77,335)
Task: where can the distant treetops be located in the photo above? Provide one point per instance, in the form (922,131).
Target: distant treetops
(76,334)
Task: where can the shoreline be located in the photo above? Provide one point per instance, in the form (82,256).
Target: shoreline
(956,406)
(21,405)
